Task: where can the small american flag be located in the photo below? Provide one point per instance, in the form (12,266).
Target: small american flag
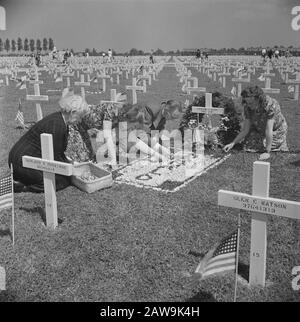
(233,91)
(21,83)
(291,89)
(20,115)
(121,97)
(6,193)
(221,258)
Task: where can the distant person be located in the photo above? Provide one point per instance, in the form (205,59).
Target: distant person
(54,53)
(198,54)
(110,55)
(151,58)
(276,54)
(264,53)
(270,53)
(38,58)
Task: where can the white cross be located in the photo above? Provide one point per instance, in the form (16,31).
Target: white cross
(262,205)
(37,97)
(239,82)
(209,110)
(49,168)
(134,88)
(82,83)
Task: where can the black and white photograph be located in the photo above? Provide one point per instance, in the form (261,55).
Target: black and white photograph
(149,154)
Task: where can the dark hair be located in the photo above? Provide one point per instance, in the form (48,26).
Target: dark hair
(254,91)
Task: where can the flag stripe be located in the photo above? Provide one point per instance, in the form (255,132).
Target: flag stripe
(222,256)
(217,263)
(219,270)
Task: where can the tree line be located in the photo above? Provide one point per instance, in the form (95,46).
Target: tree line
(27,45)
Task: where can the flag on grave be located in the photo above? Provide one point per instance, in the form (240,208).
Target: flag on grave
(6,193)
(21,83)
(291,89)
(7,197)
(2,279)
(121,97)
(221,258)
(233,91)
(20,115)
(261,78)
(94,79)
(58,79)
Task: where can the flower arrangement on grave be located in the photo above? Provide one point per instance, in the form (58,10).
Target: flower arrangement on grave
(224,132)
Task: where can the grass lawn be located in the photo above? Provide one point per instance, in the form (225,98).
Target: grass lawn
(132,244)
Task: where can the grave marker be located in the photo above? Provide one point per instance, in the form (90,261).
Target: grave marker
(83,84)
(209,110)
(37,97)
(260,203)
(134,88)
(49,168)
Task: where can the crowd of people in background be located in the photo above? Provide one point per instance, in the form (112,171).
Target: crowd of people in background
(269,53)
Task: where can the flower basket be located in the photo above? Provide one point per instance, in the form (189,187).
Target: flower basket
(90,178)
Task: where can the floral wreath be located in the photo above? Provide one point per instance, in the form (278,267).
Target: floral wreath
(227,128)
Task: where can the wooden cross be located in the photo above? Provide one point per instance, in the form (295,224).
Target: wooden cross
(239,82)
(68,74)
(195,87)
(223,76)
(134,88)
(37,97)
(82,83)
(113,98)
(262,205)
(144,78)
(103,77)
(268,89)
(296,83)
(209,110)
(49,168)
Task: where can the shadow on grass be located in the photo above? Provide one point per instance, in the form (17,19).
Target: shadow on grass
(41,212)
(202,297)
(296,163)
(243,270)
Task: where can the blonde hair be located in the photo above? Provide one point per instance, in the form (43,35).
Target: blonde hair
(69,102)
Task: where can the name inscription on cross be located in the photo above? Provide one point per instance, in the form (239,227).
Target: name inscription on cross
(49,168)
(262,205)
(37,97)
(208,110)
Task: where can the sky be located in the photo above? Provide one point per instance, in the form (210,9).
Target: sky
(151,24)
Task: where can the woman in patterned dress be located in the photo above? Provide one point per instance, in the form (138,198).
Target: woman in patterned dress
(265,127)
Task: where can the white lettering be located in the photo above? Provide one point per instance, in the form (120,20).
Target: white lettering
(296,20)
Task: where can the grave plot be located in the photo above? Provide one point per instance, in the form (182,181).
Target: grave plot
(167,177)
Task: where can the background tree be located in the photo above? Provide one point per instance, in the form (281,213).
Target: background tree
(45,44)
(13,45)
(159,52)
(31,45)
(7,45)
(26,44)
(19,44)
(38,44)
(51,44)
(94,52)
(1,45)
(133,52)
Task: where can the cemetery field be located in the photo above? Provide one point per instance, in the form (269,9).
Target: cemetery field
(128,243)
